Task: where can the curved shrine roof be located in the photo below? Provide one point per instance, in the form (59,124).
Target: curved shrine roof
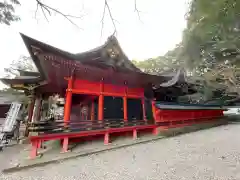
(106,62)
(99,57)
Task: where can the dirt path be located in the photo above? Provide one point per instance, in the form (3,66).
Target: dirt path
(207,154)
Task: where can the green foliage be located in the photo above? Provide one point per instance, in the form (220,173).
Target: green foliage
(210,49)
(7,12)
(211,44)
(212,27)
(169,62)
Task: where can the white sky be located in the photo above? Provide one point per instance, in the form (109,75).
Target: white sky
(160,30)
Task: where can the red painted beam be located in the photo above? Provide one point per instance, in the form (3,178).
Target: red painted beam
(186,115)
(92,88)
(96,93)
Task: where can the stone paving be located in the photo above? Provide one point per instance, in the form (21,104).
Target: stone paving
(208,154)
(9,156)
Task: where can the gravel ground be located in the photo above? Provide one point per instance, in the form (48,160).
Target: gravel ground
(207,154)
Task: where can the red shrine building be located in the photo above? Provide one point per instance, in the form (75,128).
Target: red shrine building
(104,93)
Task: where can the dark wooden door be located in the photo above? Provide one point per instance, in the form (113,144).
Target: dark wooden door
(148,108)
(134,109)
(113,107)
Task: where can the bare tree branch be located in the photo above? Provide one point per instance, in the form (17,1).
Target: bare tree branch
(36,11)
(49,9)
(103,16)
(111,16)
(44,13)
(136,10)
(106,6)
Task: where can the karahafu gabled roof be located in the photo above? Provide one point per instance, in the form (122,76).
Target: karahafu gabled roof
(106,63)
(110,54)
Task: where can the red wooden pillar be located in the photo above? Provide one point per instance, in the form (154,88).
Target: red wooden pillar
(154,110)
(67,110)
(143,109)
(134,134)
(33,153)
(106,138)
(125,108)
(125,113)
(92,110)
(100,103)
(68,103)
(155,131)
(39,144)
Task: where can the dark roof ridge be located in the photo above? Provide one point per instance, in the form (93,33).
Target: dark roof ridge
(84,57)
